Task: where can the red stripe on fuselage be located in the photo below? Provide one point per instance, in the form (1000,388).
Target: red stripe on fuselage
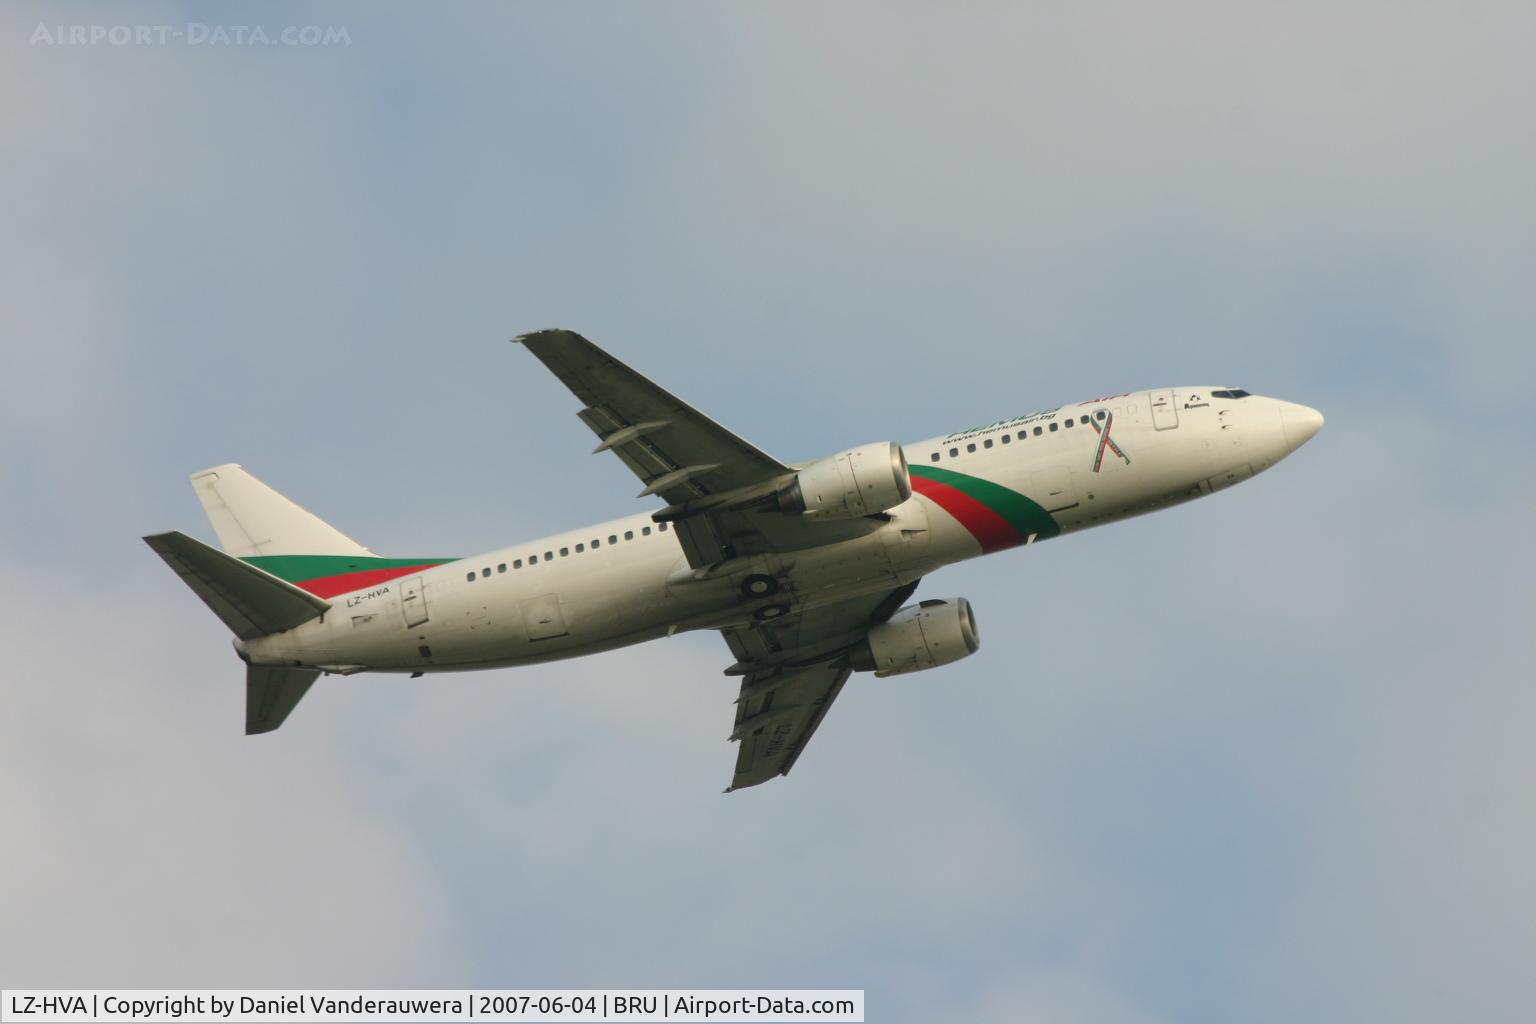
(990,529)
(344,583)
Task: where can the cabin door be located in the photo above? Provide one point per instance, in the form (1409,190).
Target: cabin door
(1165,414)
(413,601)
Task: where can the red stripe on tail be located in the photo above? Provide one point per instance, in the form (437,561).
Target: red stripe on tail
(344,583)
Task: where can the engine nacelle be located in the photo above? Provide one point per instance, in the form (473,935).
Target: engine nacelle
(919,636)
(858,482)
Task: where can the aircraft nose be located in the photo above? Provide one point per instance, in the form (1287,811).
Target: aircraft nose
(1300,424)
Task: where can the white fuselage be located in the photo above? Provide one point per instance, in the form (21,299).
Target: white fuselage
(627,580)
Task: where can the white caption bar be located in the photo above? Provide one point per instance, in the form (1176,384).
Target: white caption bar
(407,1007)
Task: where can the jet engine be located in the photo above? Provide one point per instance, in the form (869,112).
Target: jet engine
(919,636)
(858,482)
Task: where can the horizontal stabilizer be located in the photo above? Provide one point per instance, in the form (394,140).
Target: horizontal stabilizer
(271,693)
(250,602)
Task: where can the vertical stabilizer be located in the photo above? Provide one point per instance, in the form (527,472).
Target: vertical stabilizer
(252,519)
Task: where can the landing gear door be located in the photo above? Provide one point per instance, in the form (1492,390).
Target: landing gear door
(413,601)
(1165,413)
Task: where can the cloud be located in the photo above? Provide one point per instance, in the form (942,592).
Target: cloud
(1178,180)
(148,846)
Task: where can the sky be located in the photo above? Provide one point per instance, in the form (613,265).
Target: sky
(1265,757)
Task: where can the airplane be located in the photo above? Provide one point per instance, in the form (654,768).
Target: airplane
(806,569)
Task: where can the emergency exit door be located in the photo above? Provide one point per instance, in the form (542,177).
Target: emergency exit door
(543,618)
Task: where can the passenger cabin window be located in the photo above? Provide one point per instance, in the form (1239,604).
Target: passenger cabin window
(987,443)
(517,563)
(954,453)
(629,534)
(1053,429)
(970,447)
(470,577)
(1006,439)
(613,538)
(533,559)
(502,567)
(1083,420)
(564,552)
(662,527)
(486,571)
(934,457)
(596,543)
(1037,431)
(646,531)
(1099,415)
(1069,421)
(580,548)
(549,556)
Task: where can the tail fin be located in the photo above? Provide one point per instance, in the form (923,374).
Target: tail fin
(252,519)
(251,602)
(260,526)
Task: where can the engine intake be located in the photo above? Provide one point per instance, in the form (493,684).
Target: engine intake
(861,481)
(923,635)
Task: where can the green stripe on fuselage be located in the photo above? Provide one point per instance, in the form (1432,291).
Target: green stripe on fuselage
(297,568)
(1021,513)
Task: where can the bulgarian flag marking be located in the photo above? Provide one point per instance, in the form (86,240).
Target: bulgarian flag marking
(997,516)
(329,575)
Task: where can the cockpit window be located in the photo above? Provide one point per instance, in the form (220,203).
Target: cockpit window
(1234,393)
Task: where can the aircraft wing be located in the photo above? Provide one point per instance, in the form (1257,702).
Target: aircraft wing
(793,669)
(718,487)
